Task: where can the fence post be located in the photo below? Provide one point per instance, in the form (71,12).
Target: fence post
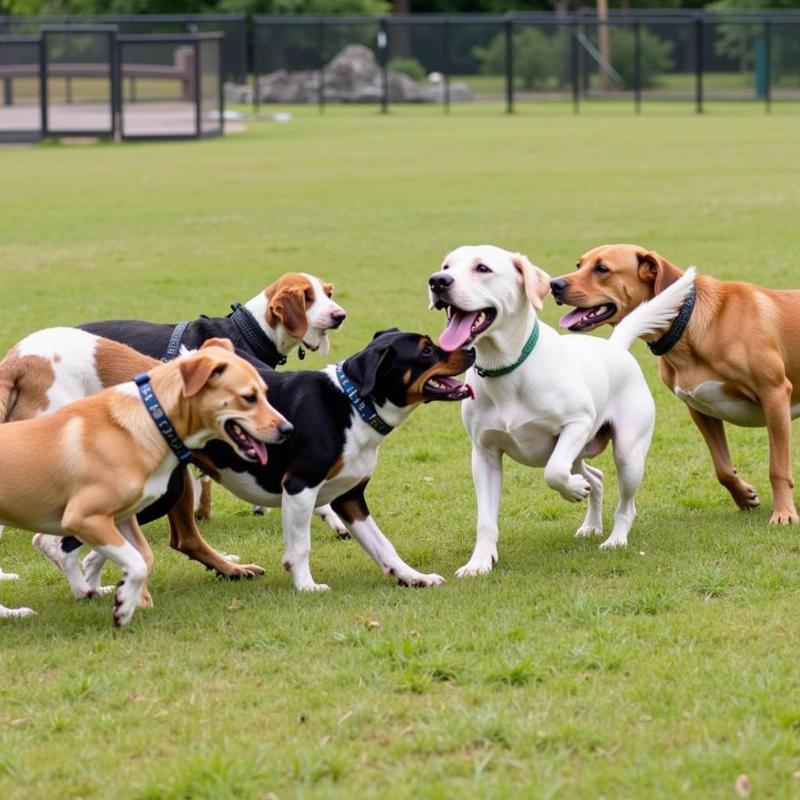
(767,65)
(383,50)
(509,29)
(255,45)
(446,65)
(198,111)
(574,66)
(698,55)
(321,76)
(115,57)
(43,81)
(637,66)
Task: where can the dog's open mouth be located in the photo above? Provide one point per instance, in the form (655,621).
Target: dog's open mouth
(439,388)
(250,447)
(464,326)
(581,319)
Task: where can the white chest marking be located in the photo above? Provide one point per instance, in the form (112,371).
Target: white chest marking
(156,484)
(711,399)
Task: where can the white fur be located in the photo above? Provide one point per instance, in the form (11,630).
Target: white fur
(547,411)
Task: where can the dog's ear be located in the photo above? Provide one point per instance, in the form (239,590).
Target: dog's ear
(198,370)
(288,306)
(364,368)
(381,333)
(535,280)
(225,344)
(327,288)
(656,270)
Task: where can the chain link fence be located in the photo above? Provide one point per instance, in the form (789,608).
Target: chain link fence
(525,57)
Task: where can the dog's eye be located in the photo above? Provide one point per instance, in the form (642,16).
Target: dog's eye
(482,268)
(601,268)
(250,399)
(446,266)
(427,351)
(578,265)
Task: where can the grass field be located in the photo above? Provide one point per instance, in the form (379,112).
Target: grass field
(665,670)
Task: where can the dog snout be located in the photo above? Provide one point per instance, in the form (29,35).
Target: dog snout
(440,282)
(284,429)
(557,285)
(338,317)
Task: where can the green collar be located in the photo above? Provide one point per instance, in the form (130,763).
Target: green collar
(526,351)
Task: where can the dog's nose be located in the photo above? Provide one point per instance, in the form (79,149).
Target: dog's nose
(285,429)
(439,282)
(557,285)
(338,317)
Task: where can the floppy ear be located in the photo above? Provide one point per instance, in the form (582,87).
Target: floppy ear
(535,280)
(364,368)
(196,372)
(289,307)
(225,344)
(657,270)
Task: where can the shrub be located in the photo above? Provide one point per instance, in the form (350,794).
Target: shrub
(408,66)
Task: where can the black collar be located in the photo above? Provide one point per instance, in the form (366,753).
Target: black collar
(663,345)
(262,346)
(159,416)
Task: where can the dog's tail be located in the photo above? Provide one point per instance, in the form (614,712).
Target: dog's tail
(655,314)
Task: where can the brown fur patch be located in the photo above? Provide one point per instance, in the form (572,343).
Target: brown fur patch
(115,363)
(337,467)
(287,301)
(24,382)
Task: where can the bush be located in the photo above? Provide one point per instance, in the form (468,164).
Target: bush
(656,57)
(542,60)
(408,66)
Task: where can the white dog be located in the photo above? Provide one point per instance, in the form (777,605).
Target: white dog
(544,399)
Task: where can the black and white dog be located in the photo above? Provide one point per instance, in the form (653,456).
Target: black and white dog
(341,416)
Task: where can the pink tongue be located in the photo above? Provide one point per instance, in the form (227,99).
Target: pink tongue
(571,317)
(457,332)
(261,450)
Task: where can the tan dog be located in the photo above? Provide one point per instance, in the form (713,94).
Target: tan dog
(736,361)
(88,468)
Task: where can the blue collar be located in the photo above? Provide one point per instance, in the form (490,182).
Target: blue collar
(181,451)
(663,345)
(365,409)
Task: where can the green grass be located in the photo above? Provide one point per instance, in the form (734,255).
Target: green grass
(666,670)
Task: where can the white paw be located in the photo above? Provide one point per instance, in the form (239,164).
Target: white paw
(419,579)
(613,541)
(126,601)
(313,587)
(588,530)
(16,613)
(481,565)
(8,576)
(232,557)
(576,488)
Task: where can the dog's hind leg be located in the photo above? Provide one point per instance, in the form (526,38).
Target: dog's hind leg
(63,553)
(330,518)
(630,469)
(593,522)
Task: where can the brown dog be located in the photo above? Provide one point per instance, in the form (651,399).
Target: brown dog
(88,468)
(735,361)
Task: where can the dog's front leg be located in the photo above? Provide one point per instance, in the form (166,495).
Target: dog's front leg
(487,476)
(297,507)
(185,537)
(352,508)
(776,402)
(713,431)
(558,473)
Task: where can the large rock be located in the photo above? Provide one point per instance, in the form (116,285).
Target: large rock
(353,76)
